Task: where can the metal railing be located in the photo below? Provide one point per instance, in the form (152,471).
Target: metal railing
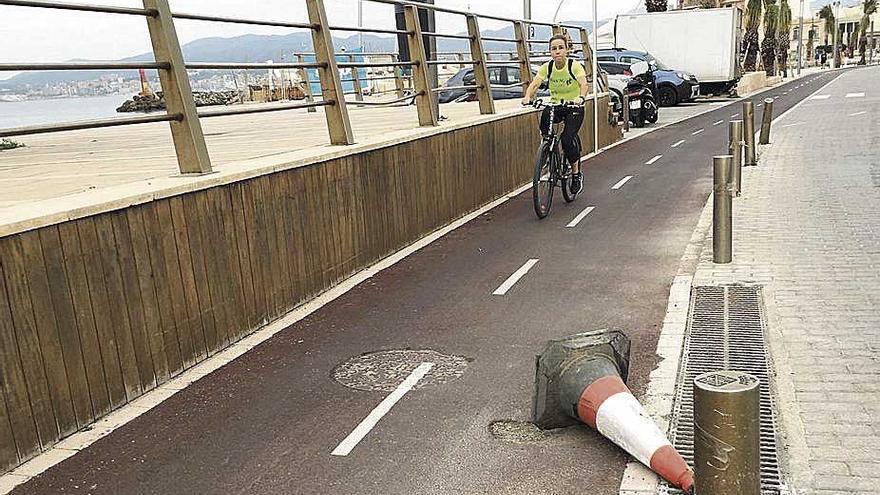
(184,118)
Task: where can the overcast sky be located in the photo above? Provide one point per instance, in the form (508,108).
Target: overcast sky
(43,35)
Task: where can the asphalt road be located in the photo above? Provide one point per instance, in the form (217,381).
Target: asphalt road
(268,422)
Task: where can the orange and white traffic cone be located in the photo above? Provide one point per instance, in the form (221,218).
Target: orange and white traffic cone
(581,379)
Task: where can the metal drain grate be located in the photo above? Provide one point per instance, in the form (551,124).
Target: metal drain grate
(725,331)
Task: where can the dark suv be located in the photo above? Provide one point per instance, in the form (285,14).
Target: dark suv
(673,86)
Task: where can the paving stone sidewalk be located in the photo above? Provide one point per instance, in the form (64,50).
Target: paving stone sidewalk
(807,228)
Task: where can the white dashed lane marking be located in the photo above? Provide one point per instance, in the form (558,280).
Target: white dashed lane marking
(503,288)
(653,160)
(621,183)
(580,217)
(697,132)
(676,145)
(855,95)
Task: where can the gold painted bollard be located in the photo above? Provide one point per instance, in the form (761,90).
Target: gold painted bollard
(727,434)
(736,145)
(751,157)
(722,211)
(624,112)
(766,120)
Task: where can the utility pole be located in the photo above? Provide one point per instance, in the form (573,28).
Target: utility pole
(800,49)
(527,9)
(361,24)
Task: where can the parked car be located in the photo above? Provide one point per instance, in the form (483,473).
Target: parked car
(619,74)
(500,75)
(673,86)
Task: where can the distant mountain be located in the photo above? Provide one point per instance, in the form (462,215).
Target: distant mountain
(261,48)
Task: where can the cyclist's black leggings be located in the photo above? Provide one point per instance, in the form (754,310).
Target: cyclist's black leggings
(573,121)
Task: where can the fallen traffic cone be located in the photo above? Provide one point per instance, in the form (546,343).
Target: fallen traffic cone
(581,379)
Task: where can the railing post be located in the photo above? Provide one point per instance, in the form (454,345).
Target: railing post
(358,90)
(588,57)
(522,50)
(304,76)
(398,76)
(557,29)
(331,86)
(461,63)
(421,82)
(481,70)
(189,140)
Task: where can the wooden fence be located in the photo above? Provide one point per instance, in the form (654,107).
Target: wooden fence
(98,310)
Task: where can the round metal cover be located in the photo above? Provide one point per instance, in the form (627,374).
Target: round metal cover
(383,371)
(726,381)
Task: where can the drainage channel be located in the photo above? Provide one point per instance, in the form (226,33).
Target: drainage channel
(725,330)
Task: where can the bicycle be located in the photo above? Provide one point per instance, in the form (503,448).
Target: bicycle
(551,168)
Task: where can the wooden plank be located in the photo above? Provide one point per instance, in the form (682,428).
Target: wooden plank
(421,82)
(210,320)
(93,358)
(162,227)
(8,452)
(189,269)
(20,440)
(140,337)
(243,251)
(121,320)
(146,282)
(157,240)
(65,323)
(303,240)
(293,238)
(210,238)
(279,205)
(232,274)
(256,257)
(47,332)
(484,90)
(267,213)
(108,319)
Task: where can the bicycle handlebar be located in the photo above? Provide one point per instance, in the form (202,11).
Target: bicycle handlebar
(539,103)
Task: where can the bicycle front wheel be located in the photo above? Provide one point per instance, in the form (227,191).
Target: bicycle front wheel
(543,181)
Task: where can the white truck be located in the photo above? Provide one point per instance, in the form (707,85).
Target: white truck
(704,42)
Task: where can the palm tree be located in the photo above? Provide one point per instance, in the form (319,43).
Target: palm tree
(750,40)
(783,36)
(869,7)
(811,40)
(827,14)
(768,46)
(656,5)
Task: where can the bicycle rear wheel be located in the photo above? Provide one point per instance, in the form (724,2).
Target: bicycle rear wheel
(543,181)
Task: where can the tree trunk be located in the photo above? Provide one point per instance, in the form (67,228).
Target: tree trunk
(783,45)
(750,48)
(768,55)
(656,5)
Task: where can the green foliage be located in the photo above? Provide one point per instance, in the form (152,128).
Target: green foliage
(656,5)
(827,14)
(8,144)
(750,39)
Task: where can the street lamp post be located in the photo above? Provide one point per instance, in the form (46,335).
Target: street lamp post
(596,77)
(527,9)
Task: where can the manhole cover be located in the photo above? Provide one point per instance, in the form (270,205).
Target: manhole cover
(508,430)
(383,371)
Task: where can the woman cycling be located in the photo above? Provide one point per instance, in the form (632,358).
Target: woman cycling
(568,83)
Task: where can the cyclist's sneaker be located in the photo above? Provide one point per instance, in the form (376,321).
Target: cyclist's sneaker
(577,183)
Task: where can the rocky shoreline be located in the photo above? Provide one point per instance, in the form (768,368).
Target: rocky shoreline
(156,102)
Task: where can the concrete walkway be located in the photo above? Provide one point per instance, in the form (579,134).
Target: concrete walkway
(806,229)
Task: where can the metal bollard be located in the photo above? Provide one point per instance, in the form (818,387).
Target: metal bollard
(727,434)
(722,211)
(766,121)
(624,112)
(736,145)
(751,158)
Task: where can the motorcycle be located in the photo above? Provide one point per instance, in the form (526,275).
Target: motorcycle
(641,90)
